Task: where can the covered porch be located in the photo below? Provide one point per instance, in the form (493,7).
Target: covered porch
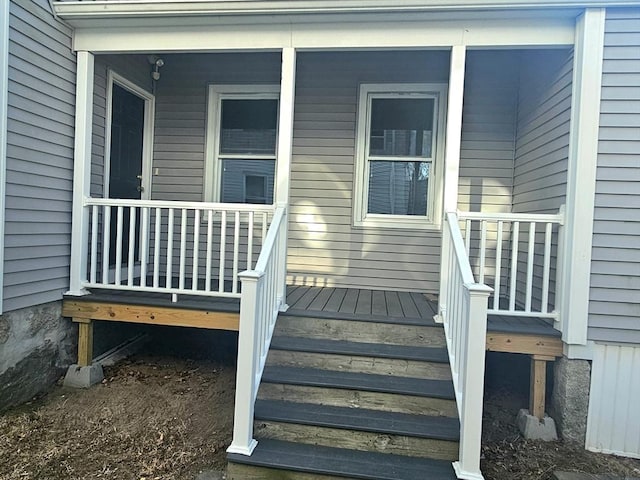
(459,226)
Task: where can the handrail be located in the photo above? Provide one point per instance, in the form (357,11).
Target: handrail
(463,311)
(178,248)
(263,293)
(516,253)
(126,202)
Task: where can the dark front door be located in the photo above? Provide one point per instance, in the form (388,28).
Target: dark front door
(125,173)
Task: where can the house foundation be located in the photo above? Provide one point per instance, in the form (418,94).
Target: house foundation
(570,399)
(36,344)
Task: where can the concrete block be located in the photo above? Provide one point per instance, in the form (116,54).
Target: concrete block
(534,429)
(570,398)
(83,377)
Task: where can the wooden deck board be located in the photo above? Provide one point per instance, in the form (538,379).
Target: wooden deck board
(378,303)
(350,301)
(321,299)
(363,306)
(336,299)
(393,304)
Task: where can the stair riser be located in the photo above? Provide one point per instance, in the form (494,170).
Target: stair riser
(367,332)
(236,471)
(347,363)
(357,440)
(386,402)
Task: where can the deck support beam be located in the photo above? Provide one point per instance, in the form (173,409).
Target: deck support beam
(85,341)
(538,384)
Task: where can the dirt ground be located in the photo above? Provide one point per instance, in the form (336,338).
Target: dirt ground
(152,418)
(157,418)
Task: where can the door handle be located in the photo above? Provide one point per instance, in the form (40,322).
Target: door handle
(139,177)
(140,188)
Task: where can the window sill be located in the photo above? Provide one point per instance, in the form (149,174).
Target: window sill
(398,222)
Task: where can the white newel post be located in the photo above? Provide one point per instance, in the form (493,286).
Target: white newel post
(248,353)
(452,159)
(468,465)
(283,164)
(81,172)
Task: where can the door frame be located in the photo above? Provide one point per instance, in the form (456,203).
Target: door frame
(147,135)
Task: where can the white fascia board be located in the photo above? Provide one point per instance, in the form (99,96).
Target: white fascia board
(487,33)
(145,8)
(4,101)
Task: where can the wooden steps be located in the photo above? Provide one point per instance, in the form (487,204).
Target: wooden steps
(353,398)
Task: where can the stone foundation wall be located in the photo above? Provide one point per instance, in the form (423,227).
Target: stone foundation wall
(36,346)
(570,398)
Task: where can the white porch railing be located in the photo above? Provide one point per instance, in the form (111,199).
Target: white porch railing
(262,299)
(516,254)
(173,247)
(463,305)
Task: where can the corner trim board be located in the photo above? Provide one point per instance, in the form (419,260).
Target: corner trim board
(4,120)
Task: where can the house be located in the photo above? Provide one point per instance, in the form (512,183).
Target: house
(431,179)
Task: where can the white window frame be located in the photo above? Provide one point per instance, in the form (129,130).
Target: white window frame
(147,136)
(432,220)
(213,160)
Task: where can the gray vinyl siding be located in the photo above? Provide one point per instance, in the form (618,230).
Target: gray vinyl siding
(614,306)
(134,68)
(542,141)
(39,156)
(181,114)
(324,247)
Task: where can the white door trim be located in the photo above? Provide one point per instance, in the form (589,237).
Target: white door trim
(147,139)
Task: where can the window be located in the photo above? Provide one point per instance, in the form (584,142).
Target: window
(398,166)
(241,144)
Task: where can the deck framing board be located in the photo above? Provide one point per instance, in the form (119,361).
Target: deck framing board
(149,314)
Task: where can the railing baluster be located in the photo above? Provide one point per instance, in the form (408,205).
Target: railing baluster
(546,269)
(207,280)
(106,243)
(144,247)
(169,273)
(250,241)
(183,247)
(483,249)
(196,245)
(530,252)
(498,276)
(118,266)
(223,247)
(514,265)
(132,245)
(156,248)
(94,244)
(467,235)
(236,242)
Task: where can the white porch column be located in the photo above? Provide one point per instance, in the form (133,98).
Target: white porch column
(81,172)
(581,176)
(452,156)
(283,164)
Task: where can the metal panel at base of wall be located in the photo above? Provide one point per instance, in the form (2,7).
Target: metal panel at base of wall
(613,424)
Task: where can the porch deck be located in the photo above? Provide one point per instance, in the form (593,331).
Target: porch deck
(325,302)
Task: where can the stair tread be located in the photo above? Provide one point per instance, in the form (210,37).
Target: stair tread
(343,462)
(359,381)
(422,426)
(320,315)
(344,347)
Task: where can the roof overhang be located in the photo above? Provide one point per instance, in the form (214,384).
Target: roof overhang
(74,9)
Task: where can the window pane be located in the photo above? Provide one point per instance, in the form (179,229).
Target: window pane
(248,126)
(398,188)
(247,181)
(401,127)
